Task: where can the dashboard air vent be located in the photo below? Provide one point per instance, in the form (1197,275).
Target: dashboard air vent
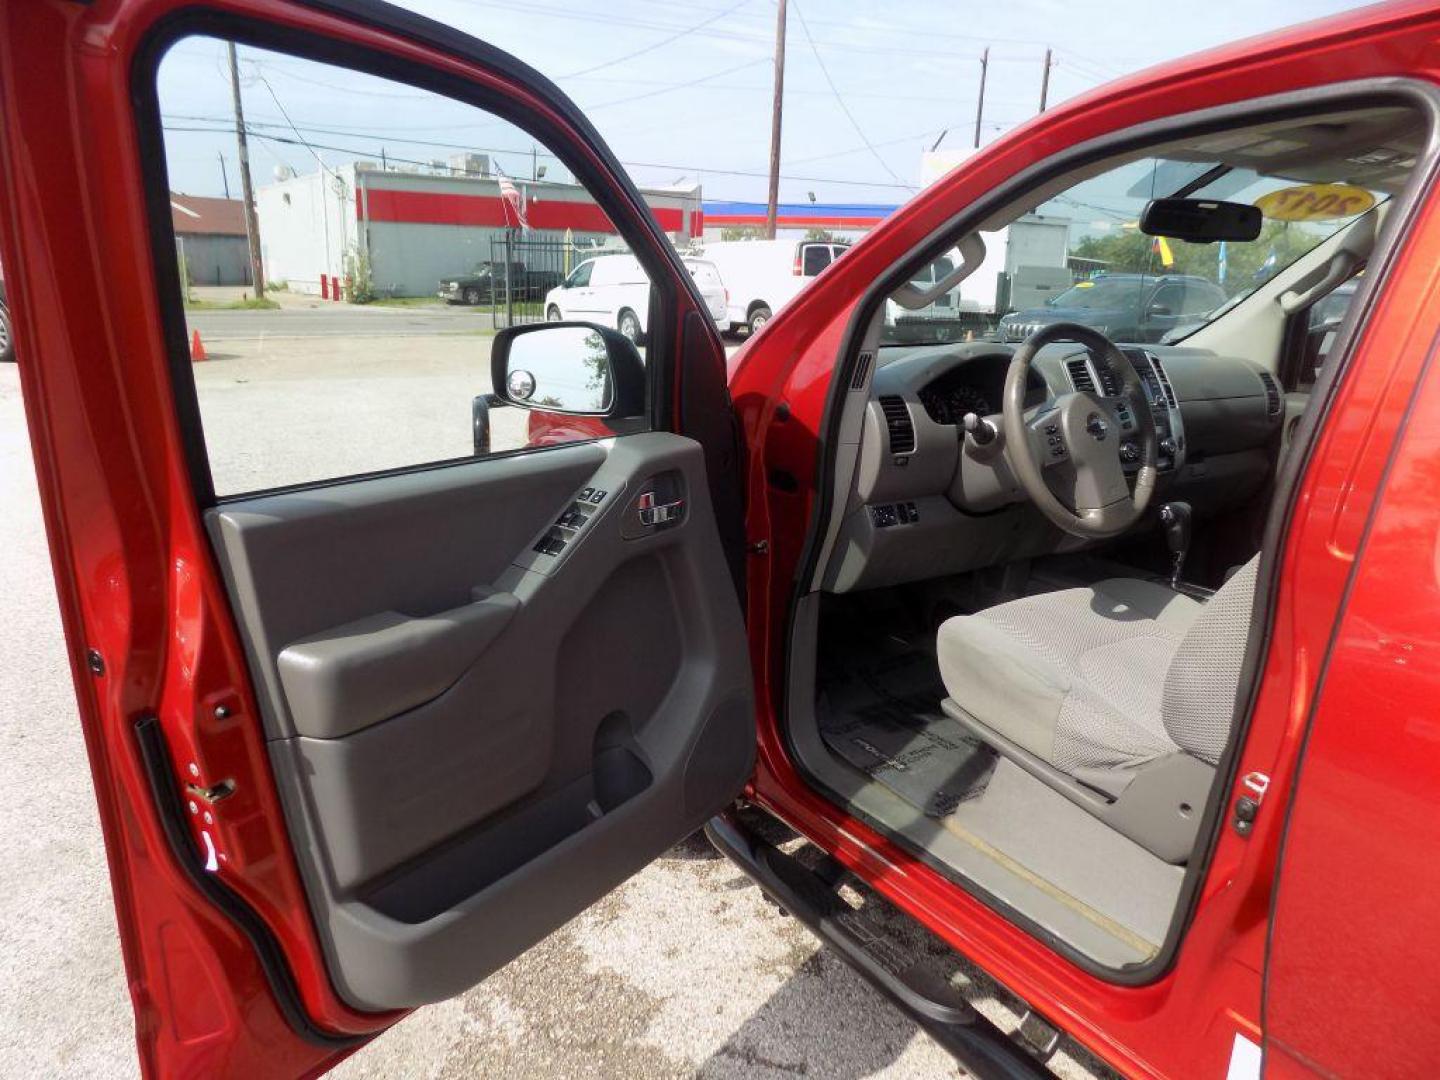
(1272,394)
(898,423)
(1080,377)
(862,370)
(1164,382)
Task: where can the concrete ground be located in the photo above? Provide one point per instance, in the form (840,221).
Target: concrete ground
(683,971)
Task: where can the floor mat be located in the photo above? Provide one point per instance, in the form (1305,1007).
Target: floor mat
(881,713)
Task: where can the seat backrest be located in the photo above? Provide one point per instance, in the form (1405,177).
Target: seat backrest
(1198,707)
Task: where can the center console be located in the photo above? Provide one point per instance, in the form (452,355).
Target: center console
(1164,408)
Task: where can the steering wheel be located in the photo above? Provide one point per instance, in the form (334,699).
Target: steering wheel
(1066,453)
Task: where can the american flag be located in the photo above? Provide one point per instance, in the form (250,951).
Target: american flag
(513,199)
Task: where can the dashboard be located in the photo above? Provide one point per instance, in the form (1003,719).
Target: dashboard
(926,502)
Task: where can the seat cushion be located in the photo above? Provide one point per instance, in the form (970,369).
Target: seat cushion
(1075,677)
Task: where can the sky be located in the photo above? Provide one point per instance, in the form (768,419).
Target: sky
(681,90)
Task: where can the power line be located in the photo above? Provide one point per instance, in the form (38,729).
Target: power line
(761,36)
(658,44)
(703,29)
(841,102)
(253,125)
(668,166)
(678,86)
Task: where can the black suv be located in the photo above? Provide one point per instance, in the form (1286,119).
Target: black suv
(1124,307)
(486,284)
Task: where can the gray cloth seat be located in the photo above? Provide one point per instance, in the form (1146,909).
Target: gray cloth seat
(1104,678)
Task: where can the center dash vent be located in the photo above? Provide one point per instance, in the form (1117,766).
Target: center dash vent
(862,370)
(898,424)
(1272,394)
(1080,377)
(1164,381)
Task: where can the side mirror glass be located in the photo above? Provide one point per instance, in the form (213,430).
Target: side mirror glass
(574,368)
(1158,309)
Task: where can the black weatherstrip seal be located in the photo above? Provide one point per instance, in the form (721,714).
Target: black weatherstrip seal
(159,774)
(1334,97)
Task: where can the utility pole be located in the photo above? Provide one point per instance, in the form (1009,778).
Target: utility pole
(1045,80)
(224,176)
(980,104)
(247,192)
(772,204)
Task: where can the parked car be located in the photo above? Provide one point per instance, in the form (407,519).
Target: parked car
(613,290)
(762,276)
(1125,307)
(912,616)
(7,344)
(486,284)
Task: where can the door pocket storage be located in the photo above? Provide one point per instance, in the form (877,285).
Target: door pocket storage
(504,845)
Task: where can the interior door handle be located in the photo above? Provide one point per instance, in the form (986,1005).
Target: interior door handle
(653,513)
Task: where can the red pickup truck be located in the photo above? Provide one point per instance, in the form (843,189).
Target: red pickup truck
(1109,662)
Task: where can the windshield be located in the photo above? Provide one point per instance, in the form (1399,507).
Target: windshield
(1080,255)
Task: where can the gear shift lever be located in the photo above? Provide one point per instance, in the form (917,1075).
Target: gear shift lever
(1175,518)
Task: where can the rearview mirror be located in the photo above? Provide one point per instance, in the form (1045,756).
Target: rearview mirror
(1200,221)
(568,367)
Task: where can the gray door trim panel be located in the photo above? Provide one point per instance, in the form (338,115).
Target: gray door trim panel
(417,543)
(474,740)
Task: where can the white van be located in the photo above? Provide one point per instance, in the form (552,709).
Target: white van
(613,290)
(761,276)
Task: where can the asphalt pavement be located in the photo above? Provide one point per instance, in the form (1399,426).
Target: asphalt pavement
(683,971)
(341,320)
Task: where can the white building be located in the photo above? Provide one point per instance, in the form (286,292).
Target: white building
(415,228)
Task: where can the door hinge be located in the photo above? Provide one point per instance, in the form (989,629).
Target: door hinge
(1247,806)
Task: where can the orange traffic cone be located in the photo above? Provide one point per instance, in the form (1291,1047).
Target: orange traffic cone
(197,348)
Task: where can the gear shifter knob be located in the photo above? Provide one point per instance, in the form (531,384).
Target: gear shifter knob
(1175,519)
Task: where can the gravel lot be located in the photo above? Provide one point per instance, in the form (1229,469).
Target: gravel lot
(683,971)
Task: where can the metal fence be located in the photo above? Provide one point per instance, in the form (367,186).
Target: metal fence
(524,267)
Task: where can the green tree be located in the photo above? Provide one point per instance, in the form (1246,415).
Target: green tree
(1132,252)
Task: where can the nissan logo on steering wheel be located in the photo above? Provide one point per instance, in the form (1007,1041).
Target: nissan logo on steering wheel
(1097,427)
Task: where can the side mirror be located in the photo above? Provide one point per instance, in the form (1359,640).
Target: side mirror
(575,368)
(1158,309)
(480,407)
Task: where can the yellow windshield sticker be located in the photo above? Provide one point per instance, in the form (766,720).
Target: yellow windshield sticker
(1315,202)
